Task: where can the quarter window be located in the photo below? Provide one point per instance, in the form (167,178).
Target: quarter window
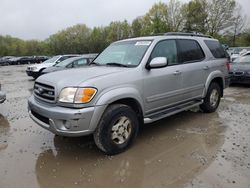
(168,49)
(216,49)
(189,51)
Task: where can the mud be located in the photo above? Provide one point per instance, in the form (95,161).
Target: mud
(190,149)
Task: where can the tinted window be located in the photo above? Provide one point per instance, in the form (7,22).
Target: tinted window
(189,51)
(80,62)
(166,49)
(216,49)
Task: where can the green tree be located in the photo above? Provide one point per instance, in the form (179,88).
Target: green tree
(156,20)
(137,27)
(195,16)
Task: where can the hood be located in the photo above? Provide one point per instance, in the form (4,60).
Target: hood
(240,67)
(74,77)
(52,69)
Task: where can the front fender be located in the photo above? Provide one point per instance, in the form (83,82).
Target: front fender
(111,96)
(213,75)
(118,94)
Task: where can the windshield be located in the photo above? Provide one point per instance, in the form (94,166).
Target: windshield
(243,59)
(65,62)
(52,60)
(127,54)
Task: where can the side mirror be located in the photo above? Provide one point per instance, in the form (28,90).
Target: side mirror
(158,62)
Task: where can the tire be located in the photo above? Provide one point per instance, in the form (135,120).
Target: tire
(112,124)
(212,99)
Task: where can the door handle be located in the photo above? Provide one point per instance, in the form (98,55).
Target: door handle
(206,68)
(177,72)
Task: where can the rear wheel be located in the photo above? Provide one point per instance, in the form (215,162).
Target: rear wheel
(117,129)
(212,99)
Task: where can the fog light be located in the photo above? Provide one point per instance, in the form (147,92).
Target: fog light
(67,124)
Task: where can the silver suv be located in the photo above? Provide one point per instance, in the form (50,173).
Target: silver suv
(132,82)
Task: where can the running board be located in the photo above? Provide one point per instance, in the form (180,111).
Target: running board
(171,111)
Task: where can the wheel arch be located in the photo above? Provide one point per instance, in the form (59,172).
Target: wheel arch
(217,77)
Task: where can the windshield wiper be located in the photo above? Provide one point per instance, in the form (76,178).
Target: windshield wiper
(117,64)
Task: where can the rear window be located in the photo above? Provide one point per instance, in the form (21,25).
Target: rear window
(189,51)
(216,49)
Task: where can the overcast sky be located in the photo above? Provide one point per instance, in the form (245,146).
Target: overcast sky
(37,19)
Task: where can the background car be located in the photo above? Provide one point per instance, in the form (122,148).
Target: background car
(2,95)
(36,70)
(240,70)
(74,62)
(5,60)
(238,51)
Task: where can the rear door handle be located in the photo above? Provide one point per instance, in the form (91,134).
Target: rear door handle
(177,72)
(206,68)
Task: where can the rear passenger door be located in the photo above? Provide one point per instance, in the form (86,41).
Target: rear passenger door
(194,68)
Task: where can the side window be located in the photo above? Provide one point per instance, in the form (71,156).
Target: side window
(189,51)
(80,62)
(216,49)
(168,49)
(62,59)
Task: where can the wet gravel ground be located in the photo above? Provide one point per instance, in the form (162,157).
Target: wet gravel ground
(190,149)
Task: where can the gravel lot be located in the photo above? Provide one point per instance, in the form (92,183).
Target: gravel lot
(190,149)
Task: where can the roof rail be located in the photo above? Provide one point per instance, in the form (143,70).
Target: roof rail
(194,34)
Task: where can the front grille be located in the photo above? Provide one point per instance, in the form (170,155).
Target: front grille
(239,73)
(44,92)
(40,117)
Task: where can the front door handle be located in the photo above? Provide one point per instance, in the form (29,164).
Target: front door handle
(177,72)
(206,68)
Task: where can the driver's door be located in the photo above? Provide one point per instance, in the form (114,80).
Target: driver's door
(162,86)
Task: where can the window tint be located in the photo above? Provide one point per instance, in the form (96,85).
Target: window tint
(80,62)
(189,51)
(216,48)
(166,49)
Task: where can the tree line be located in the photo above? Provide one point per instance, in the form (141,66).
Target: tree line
(221,19)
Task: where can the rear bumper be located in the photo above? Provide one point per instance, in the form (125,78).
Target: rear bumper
(65,121)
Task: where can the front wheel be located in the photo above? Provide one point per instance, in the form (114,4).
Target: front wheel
(212,99)
(117,129)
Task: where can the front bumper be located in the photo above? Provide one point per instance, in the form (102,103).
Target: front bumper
(65,121)
(33,74)
(2,97)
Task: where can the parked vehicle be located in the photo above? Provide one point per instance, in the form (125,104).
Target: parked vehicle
(74,62)
(240,70)
(5,60)
(133,81)
(36,70)
(239,51)
(2,95)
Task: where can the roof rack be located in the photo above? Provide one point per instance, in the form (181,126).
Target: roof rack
(193,34)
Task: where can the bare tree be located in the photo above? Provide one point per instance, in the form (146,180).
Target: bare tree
(220,15)
(239,22)
(175,15)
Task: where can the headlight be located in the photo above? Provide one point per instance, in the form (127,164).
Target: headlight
(33,68)
(77,95)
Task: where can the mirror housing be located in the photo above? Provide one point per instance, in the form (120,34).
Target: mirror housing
(157,62)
